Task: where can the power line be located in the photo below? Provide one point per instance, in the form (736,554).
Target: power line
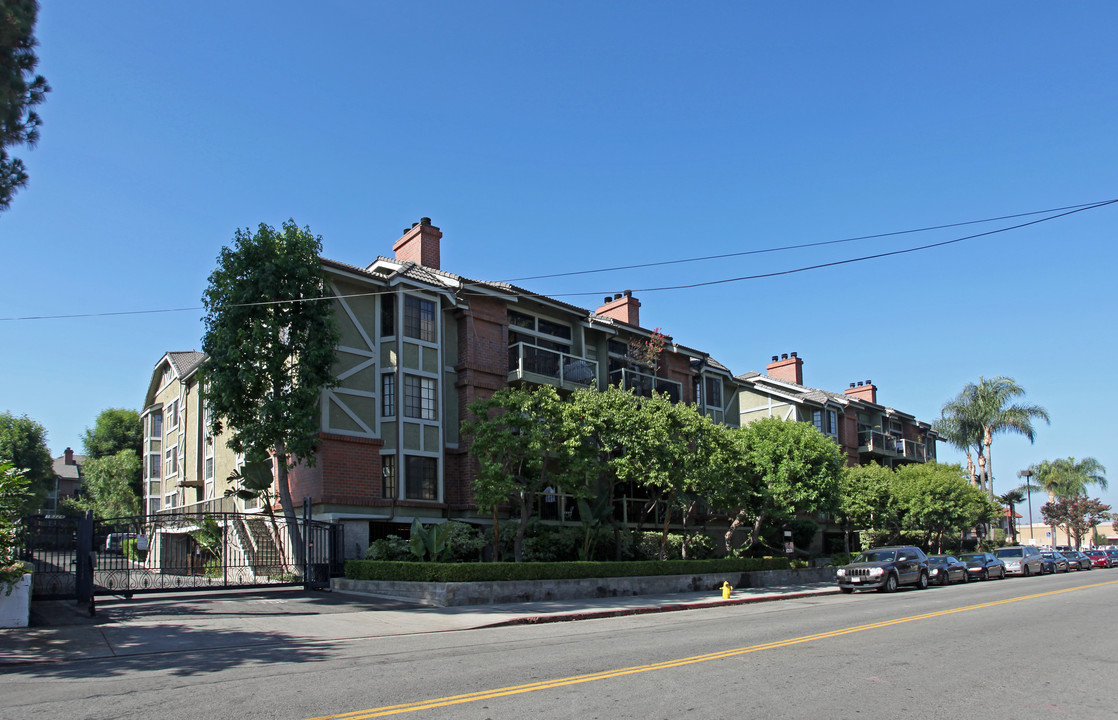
(1079,208)
(1063,212)
(1084,206)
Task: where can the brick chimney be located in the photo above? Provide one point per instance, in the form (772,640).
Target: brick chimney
(788,369)
(623,307)
(420,244)
(69,454)
(863,391)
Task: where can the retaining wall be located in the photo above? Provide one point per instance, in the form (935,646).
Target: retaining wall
(451,594)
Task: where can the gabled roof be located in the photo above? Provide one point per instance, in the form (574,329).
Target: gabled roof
(800,393)
(68,472)
(185,362)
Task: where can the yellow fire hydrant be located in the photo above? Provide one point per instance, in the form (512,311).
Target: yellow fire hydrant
(726,590)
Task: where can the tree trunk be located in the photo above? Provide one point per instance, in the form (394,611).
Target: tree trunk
(293,531)
(756,532)
(988,440)
(736,523)
(525,516)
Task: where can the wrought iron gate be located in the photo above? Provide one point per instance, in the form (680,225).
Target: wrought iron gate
(83,557)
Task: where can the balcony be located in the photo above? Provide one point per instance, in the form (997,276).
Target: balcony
(875,442)
(643,384)
(912,450)
(550,367)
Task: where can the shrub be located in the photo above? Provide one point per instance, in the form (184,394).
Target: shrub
(464,542)
(700,546)
(128,547)
(392,548)
(482,572)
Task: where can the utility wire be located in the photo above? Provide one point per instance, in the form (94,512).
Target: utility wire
(847,261)
(1068,210)
(1085,206)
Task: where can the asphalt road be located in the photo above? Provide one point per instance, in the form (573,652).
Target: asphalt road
(1017,648)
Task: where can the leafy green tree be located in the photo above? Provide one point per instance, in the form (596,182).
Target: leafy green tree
(867,502)
(23,443)
(607,420)
(114,430)
(270,341)
(523,441)
(795,468)
(985,409)
(107,486)
(690,460)
(1078,515)
(13,498)
(937,500)
(20,91)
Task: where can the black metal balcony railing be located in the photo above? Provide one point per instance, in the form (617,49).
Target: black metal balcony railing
(568,370)
(643,384)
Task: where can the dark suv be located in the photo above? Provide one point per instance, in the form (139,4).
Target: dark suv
(885,569)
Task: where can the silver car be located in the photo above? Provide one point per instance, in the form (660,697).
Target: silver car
(1021,560)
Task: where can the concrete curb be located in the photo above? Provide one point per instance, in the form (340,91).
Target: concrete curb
(671,607)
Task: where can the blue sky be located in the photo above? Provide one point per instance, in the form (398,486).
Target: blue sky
(556,137)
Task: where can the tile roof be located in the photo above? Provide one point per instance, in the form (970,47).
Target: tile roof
(185,362)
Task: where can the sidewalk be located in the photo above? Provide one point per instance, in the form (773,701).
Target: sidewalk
(181,622)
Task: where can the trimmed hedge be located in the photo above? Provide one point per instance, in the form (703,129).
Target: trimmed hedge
(488,572)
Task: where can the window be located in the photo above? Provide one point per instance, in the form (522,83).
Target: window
(172,464)
(419,319)
(540,332)
(419,398)
(422,475)
(388,469)
(156,420)
(153,505)
(713,392)
(388,395)
(173,415)
(387,315)
(155,469)
(825,421)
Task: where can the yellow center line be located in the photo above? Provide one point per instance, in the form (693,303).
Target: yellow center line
(678,662)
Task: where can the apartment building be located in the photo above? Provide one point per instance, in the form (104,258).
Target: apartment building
(419,344)
(865,430)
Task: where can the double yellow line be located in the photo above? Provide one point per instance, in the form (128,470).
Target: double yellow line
(607,674)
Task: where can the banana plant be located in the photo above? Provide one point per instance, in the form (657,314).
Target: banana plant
(429,543)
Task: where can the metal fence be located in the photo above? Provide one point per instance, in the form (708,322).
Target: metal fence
(79,557)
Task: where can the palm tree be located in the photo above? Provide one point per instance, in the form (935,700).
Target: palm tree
(1068,477)
(985,409)
(1029,487)
(1011,499)
(961,432)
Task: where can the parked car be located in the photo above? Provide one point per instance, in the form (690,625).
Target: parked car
(114,542)
(983,566)
(944,569)
(1076,560)
(1020,560)
(885,569)
(1099,559)
(1113,553)
(1058,562)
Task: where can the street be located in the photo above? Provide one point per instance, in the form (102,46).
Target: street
(1018,648)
